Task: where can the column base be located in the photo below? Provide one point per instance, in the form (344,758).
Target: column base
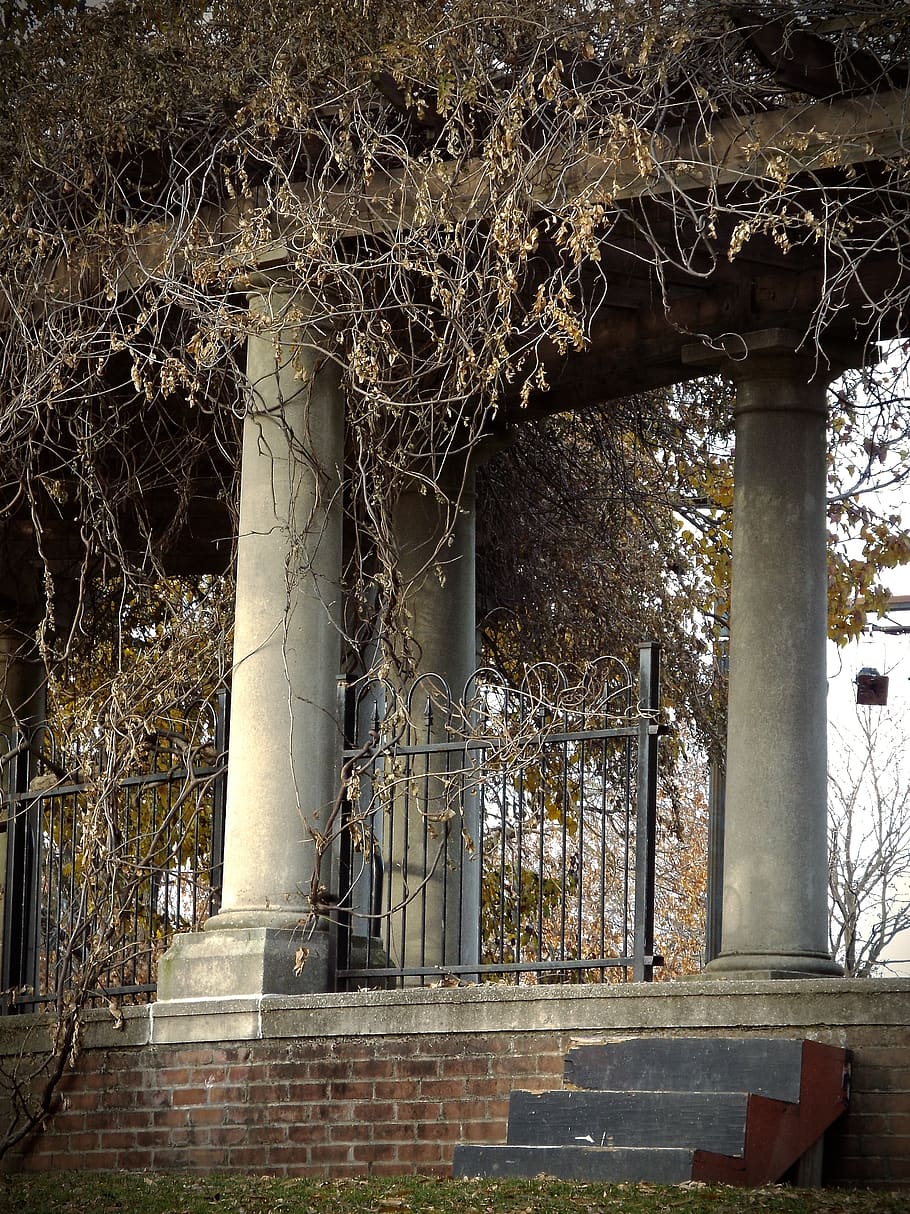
(769,966)
(250,961)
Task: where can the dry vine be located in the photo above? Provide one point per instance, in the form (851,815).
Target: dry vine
(448,187)
(445,184)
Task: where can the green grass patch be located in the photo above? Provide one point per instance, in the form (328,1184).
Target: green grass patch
(182,1193)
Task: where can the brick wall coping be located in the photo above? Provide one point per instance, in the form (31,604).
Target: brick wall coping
(491,1009)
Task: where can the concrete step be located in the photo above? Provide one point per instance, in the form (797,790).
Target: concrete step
(662,1109)
(710,1121)
(656,1165)
(766,1066)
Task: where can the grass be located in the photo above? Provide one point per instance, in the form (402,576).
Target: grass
(183,1193)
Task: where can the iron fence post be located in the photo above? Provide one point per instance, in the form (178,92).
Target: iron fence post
(21,895)
(339,919)
(715,885)
(716,812)
(219,791)
(646,810)
(13,899)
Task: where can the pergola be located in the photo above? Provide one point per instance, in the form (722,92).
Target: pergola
(662,326)
(750,317)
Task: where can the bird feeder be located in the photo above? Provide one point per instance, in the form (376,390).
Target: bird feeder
(871,687)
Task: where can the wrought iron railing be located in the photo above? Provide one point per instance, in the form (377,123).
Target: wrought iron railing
(103,869)
(508,834)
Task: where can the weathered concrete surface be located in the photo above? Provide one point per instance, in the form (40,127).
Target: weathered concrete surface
(588,1011)
(251,961)
(594,1009)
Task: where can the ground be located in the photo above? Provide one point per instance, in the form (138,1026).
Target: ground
(182,1193)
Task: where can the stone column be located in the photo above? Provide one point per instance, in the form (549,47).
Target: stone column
(439,926)
(775,906)
(285,739)
(441,599)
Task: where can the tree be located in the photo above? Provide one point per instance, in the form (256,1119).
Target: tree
(869,840)
(681,879)
(117,858)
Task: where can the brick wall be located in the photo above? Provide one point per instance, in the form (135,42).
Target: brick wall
(383,1083)
(871,1145)
(318,1107)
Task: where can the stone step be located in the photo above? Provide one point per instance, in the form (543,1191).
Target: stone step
(710,1121)
(655,1165)
(766,1066)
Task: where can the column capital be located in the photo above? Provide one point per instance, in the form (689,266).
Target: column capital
(271,293)
(278,300)
(767,353)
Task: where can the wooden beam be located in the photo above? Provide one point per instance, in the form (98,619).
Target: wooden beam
(773,147)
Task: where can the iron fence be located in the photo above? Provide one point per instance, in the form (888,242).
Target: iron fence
(102,868)
(508,834)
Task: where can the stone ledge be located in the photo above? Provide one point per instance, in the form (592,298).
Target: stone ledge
(798,1004)
(219,1019)
(101,1029)
(629,1007)
(497,1009)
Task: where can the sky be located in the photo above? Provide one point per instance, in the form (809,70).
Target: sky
(889,655)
